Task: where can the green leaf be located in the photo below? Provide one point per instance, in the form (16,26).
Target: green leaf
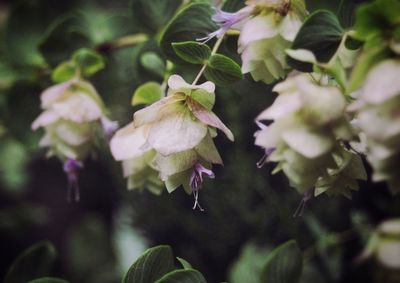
(377,17)
(147,93)
(222,70)
(153,63)
(346,12)
(190,23)
(48,280)
(153,15)
(88,61)
(183,276)
(192,51)
(185,264)
(284,264)
(61,38)
(64,72)
(152,265)
(321,33)
(233,5)
(36,261)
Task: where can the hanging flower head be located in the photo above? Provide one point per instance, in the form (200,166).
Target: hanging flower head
(306,135)
(72,112)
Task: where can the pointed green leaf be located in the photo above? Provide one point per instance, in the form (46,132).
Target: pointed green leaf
(183,276)
(147,93)
(185,264)
(284,264)
(321,33)
(190,23)
(222,70)
(89,61)
(36,261)
(65,71)
(192,52)
(151,266)
(48,280)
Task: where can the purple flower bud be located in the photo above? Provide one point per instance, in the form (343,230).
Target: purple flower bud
(196,180)
(226,21)
(71,167)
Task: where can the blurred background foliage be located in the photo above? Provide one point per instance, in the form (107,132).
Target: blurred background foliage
(248,211)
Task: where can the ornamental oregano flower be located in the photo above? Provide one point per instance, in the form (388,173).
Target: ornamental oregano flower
(173,136)
(267,28)
(377,111)
(72,112)
(306,134)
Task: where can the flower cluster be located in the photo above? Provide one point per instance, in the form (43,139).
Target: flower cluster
(377,109)
(173,137)
(267,28)
(72,112)
(306,136)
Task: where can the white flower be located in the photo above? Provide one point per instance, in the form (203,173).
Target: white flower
(377,109)
(71,111)
(181,120)
(305,137)
(264,38)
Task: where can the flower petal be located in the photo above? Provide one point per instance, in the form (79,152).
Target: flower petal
(156,111)
(127,142)
(209,118)
(207,150)
(46,118)
(51,94)
(176,132)
(175,163)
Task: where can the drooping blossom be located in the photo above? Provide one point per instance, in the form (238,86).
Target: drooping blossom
(306,137)
(377,111)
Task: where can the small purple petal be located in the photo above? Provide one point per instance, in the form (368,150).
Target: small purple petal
(71,167)
(196,180)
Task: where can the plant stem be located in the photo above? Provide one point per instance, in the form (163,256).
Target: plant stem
(213,52)
(125,41)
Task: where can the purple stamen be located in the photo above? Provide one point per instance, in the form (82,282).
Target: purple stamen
(71,167)
(303,203)
(109,127)
(264,158)
(225,20)
(196,180)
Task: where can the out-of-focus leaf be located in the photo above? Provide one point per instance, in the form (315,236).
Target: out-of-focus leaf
(147,93)
(249,265)
(222,70)
(183,276)
(48,280)
(233,5)
(63,72)
(23,32)
(151,266)
(153,15)
(321,34)
(346,12)
(284,264)
(13,171)
(153,63)
(181,29)
(36,261)
(88,61)
(192,51)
